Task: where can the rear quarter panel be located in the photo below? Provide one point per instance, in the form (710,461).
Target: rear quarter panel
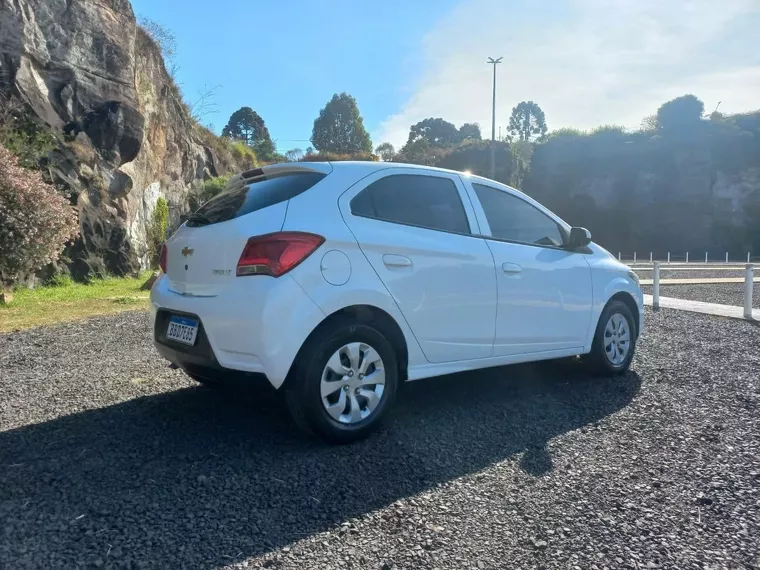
(318,212)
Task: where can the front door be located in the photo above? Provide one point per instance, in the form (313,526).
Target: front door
(544,291)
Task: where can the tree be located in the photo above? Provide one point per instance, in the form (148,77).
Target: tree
(522,152)
(476,158)
(386,151)
(649,123)
(246,125)
(679,114)
(340,128)
(421,152)
(527,121)
(294,155)
(469,131)
(436,132)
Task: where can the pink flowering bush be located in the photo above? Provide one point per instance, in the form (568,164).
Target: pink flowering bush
(35,221)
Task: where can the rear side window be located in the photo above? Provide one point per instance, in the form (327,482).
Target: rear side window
(514,219)
(260,193)
(425,201)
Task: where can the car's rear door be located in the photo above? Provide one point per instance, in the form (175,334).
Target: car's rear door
(416,228)
(545,291)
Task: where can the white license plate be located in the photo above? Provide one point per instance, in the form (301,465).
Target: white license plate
(182,329)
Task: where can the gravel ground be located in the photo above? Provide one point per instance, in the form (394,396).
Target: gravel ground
(723,293)
(109,459)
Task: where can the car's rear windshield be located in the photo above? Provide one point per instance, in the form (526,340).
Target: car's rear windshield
(262,192)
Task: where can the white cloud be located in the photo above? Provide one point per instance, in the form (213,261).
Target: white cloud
(585,62)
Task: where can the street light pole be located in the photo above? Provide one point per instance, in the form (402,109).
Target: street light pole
(493,62)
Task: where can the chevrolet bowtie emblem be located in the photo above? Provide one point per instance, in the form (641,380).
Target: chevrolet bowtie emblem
(187,251)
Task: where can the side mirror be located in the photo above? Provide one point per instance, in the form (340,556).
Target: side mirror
(579,237)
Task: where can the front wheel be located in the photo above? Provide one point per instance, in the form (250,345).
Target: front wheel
(343,382)
(614,341)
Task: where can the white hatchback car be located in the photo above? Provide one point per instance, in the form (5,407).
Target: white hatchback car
(338,281)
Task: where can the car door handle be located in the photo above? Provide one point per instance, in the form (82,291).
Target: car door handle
(396,261)
(511,268)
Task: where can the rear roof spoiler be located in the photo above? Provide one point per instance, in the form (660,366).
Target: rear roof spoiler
(243,178)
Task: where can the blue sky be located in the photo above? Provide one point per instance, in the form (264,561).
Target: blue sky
(586,62)
(286,60)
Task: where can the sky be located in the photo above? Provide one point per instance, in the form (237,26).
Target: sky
(585,62)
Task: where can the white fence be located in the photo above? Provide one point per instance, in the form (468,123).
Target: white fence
(681,259)
(749,282)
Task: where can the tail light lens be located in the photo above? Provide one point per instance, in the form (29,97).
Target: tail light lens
(162,258)
(276,254)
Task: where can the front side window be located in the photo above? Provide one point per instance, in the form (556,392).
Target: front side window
(429,202)
(514,219)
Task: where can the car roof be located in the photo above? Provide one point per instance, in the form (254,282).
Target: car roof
(361,168)
(358,166)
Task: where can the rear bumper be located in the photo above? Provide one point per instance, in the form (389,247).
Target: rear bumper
(197,360)
(199,366)
(255,327)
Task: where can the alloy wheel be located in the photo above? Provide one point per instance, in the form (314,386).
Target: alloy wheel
(617,339)
(352,383)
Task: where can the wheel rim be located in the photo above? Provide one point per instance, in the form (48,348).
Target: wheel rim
(617,339)
(353,382)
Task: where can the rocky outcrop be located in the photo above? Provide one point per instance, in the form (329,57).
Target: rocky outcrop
(86,70)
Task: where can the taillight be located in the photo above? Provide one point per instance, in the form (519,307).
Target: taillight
(276,254)
(162,258)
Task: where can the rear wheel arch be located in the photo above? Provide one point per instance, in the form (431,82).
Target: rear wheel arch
(366,314)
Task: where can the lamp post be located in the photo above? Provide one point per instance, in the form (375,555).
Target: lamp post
(492,61)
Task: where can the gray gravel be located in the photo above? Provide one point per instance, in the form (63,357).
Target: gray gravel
(723,293)
(109,459)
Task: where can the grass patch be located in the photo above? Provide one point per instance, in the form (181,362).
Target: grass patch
(69,301)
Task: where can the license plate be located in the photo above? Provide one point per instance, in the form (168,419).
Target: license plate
(182,329)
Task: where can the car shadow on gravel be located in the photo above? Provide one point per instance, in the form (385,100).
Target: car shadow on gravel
(199,477)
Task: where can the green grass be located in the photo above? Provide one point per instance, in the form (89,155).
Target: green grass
(69,301)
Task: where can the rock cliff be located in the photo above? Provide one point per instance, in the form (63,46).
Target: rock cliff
(125,137)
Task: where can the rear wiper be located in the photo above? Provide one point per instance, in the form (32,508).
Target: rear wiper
(199,219)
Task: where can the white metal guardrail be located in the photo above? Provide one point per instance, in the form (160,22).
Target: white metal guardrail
(749,282)
(684,259)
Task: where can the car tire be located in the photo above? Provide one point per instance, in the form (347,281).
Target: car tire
(614,341)
(334,406)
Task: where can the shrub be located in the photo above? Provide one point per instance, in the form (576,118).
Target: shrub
(210,188)
(25,137)
(35,221)
(245,156)
(335,157)
(476,158)
(59,280)
(156,233)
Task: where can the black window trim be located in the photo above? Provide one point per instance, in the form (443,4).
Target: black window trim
(446,176)
(562,230)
